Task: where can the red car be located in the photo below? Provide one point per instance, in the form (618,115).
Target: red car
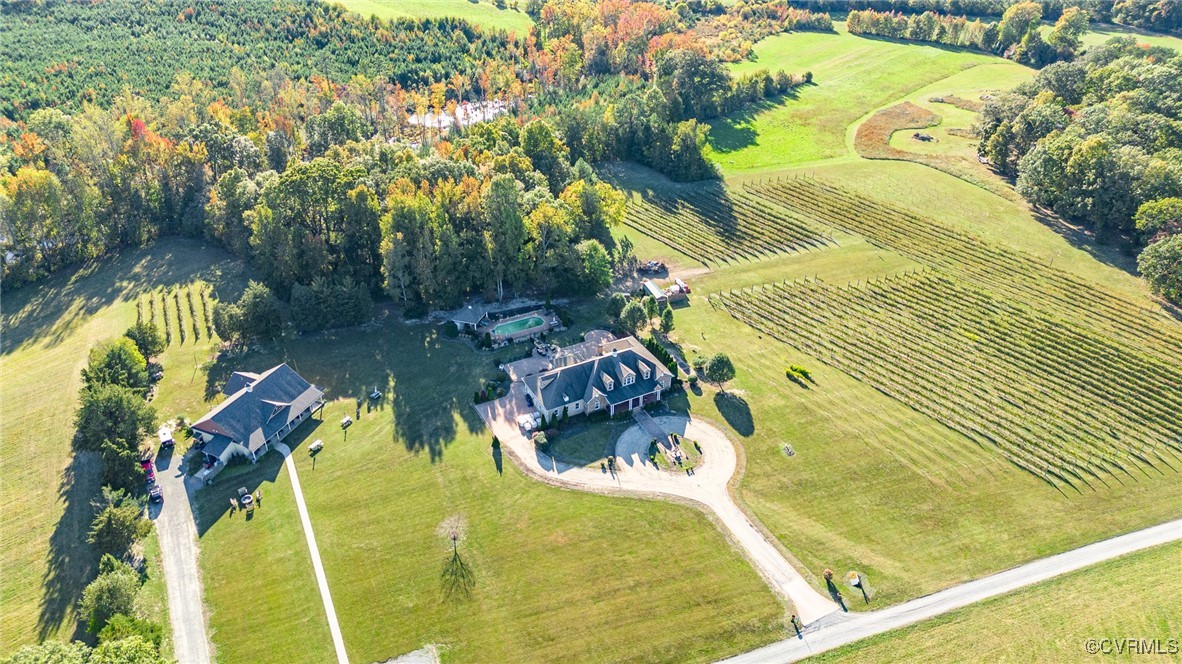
(149,470)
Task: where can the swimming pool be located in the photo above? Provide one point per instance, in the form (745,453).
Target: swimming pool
(519,325)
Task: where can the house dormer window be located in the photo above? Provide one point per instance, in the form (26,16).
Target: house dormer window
(645,371)
(629,379)
(608,383)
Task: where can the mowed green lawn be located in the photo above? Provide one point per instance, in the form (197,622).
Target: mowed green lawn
(873,485)
(970,84)
(1102,32)
(1129,597)
(852,77)
(482,13)
(49,329)
(557,574)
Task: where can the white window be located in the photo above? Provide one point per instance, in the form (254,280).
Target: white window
(595,405)
(629,379)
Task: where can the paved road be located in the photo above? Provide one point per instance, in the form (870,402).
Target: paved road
(840,629)
(334,627)
(708,487)
(177,531)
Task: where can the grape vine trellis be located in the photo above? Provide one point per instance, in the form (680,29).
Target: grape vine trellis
(715,227)
(1005,273)
(1074,408)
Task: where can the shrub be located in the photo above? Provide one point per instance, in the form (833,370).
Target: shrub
(51,652)
(117,362)
(615,305)
(667,320)
(540,440)
(450,330)
(122,626)
(110,594)
(131,650)
(633,317)
(118,522)
(147,338)
(256,315)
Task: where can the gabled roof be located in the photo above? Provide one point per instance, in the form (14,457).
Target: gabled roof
(587,379)
(258,409)
(470,315)
(239,380)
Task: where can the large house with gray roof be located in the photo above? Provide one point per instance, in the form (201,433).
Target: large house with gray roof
(619,376)
(259,411)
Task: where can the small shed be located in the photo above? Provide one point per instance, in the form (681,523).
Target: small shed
(655,291)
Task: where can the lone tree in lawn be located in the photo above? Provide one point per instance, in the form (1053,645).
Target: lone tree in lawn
(719,369)
(633,317)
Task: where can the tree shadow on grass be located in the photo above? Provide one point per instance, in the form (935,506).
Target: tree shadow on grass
(736,412)
(736,131)
(71,562)
(457,578)
(1114,254)
(426,381)
(49,311)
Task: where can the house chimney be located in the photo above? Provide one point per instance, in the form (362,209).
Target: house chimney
(249,388)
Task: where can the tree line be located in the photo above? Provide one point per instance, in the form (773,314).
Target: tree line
(1015,36)
(1099,141)
(1156,15)
(112,421)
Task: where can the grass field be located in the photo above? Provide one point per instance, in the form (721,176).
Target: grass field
(1051,621)
(1100,33)
(45,495)
(599,570)
(876,485)
(478,12)
(853,76)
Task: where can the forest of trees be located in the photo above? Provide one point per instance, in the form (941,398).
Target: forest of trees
(63,54)
(335,182)
(1099,141)
(1015,36)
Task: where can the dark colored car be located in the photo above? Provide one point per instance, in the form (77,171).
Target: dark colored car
(155,494)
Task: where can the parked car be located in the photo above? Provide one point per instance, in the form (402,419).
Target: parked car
(156,494)
(149,470)
(166,437)
(529,400)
